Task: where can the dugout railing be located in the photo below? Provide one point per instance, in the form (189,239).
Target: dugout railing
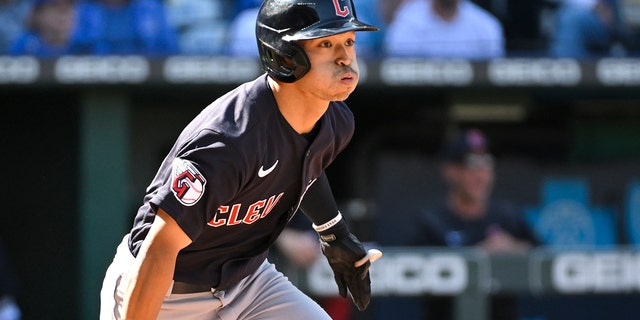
(472,276)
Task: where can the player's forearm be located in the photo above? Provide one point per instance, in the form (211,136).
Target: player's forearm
(152,272)
(147,285)
(318,203)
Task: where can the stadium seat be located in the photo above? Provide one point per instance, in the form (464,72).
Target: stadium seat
(632,217)
(565,217)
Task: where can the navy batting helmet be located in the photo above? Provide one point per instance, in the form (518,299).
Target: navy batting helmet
(282,22)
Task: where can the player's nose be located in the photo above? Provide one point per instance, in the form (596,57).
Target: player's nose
(344,56)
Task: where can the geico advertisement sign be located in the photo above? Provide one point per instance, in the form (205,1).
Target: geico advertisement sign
(402,274)
(605,272)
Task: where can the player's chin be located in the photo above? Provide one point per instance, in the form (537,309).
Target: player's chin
(341,96)
(346,87)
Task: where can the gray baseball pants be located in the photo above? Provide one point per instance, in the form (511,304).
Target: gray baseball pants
(266,294)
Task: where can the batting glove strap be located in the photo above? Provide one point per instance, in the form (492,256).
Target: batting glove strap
(338,230)
(327,225)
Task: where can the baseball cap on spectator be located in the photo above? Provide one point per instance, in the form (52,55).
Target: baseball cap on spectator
(470,148)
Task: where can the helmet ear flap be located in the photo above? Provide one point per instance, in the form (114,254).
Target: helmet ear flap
(288,63)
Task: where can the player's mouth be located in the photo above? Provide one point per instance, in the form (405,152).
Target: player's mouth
(348,80)
(349,76)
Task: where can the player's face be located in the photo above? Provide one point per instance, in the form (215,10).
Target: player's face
(334,70)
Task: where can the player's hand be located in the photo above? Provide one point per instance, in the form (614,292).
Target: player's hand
(343,250)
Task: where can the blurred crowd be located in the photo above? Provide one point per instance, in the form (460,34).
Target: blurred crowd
(470,29)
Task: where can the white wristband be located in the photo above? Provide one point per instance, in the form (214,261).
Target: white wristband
(328,224)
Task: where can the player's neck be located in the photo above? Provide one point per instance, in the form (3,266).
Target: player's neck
(302,112)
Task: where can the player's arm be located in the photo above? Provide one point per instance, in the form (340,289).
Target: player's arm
(152,272)
(346,255)
(318,203)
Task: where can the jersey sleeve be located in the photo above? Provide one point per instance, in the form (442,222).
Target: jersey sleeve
(209,174)
(318,203)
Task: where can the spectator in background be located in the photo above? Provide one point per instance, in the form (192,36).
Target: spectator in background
(388,9)
(201,25)
(50,26)
(125,27)
(242,30)
(469,216)
(241,5)
(13,14)
(369,44)
(9,309)
(444,29)
(583,28)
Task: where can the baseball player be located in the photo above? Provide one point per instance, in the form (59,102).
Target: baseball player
(237,174)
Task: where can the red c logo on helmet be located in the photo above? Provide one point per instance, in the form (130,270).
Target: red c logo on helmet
(340,12)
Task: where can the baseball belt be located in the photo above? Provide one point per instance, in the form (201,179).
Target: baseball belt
(183,288)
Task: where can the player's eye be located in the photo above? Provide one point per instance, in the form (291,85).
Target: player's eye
(350,42)
(325,44)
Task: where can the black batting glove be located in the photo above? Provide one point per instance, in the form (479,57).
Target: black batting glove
(342,250)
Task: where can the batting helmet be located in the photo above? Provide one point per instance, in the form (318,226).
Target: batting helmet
(281,23)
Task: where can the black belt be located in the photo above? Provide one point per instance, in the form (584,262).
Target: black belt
(183,287)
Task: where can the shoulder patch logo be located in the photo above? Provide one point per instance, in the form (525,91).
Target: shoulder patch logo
(188,183)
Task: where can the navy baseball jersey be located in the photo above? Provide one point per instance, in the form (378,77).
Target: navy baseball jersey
(234,178)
